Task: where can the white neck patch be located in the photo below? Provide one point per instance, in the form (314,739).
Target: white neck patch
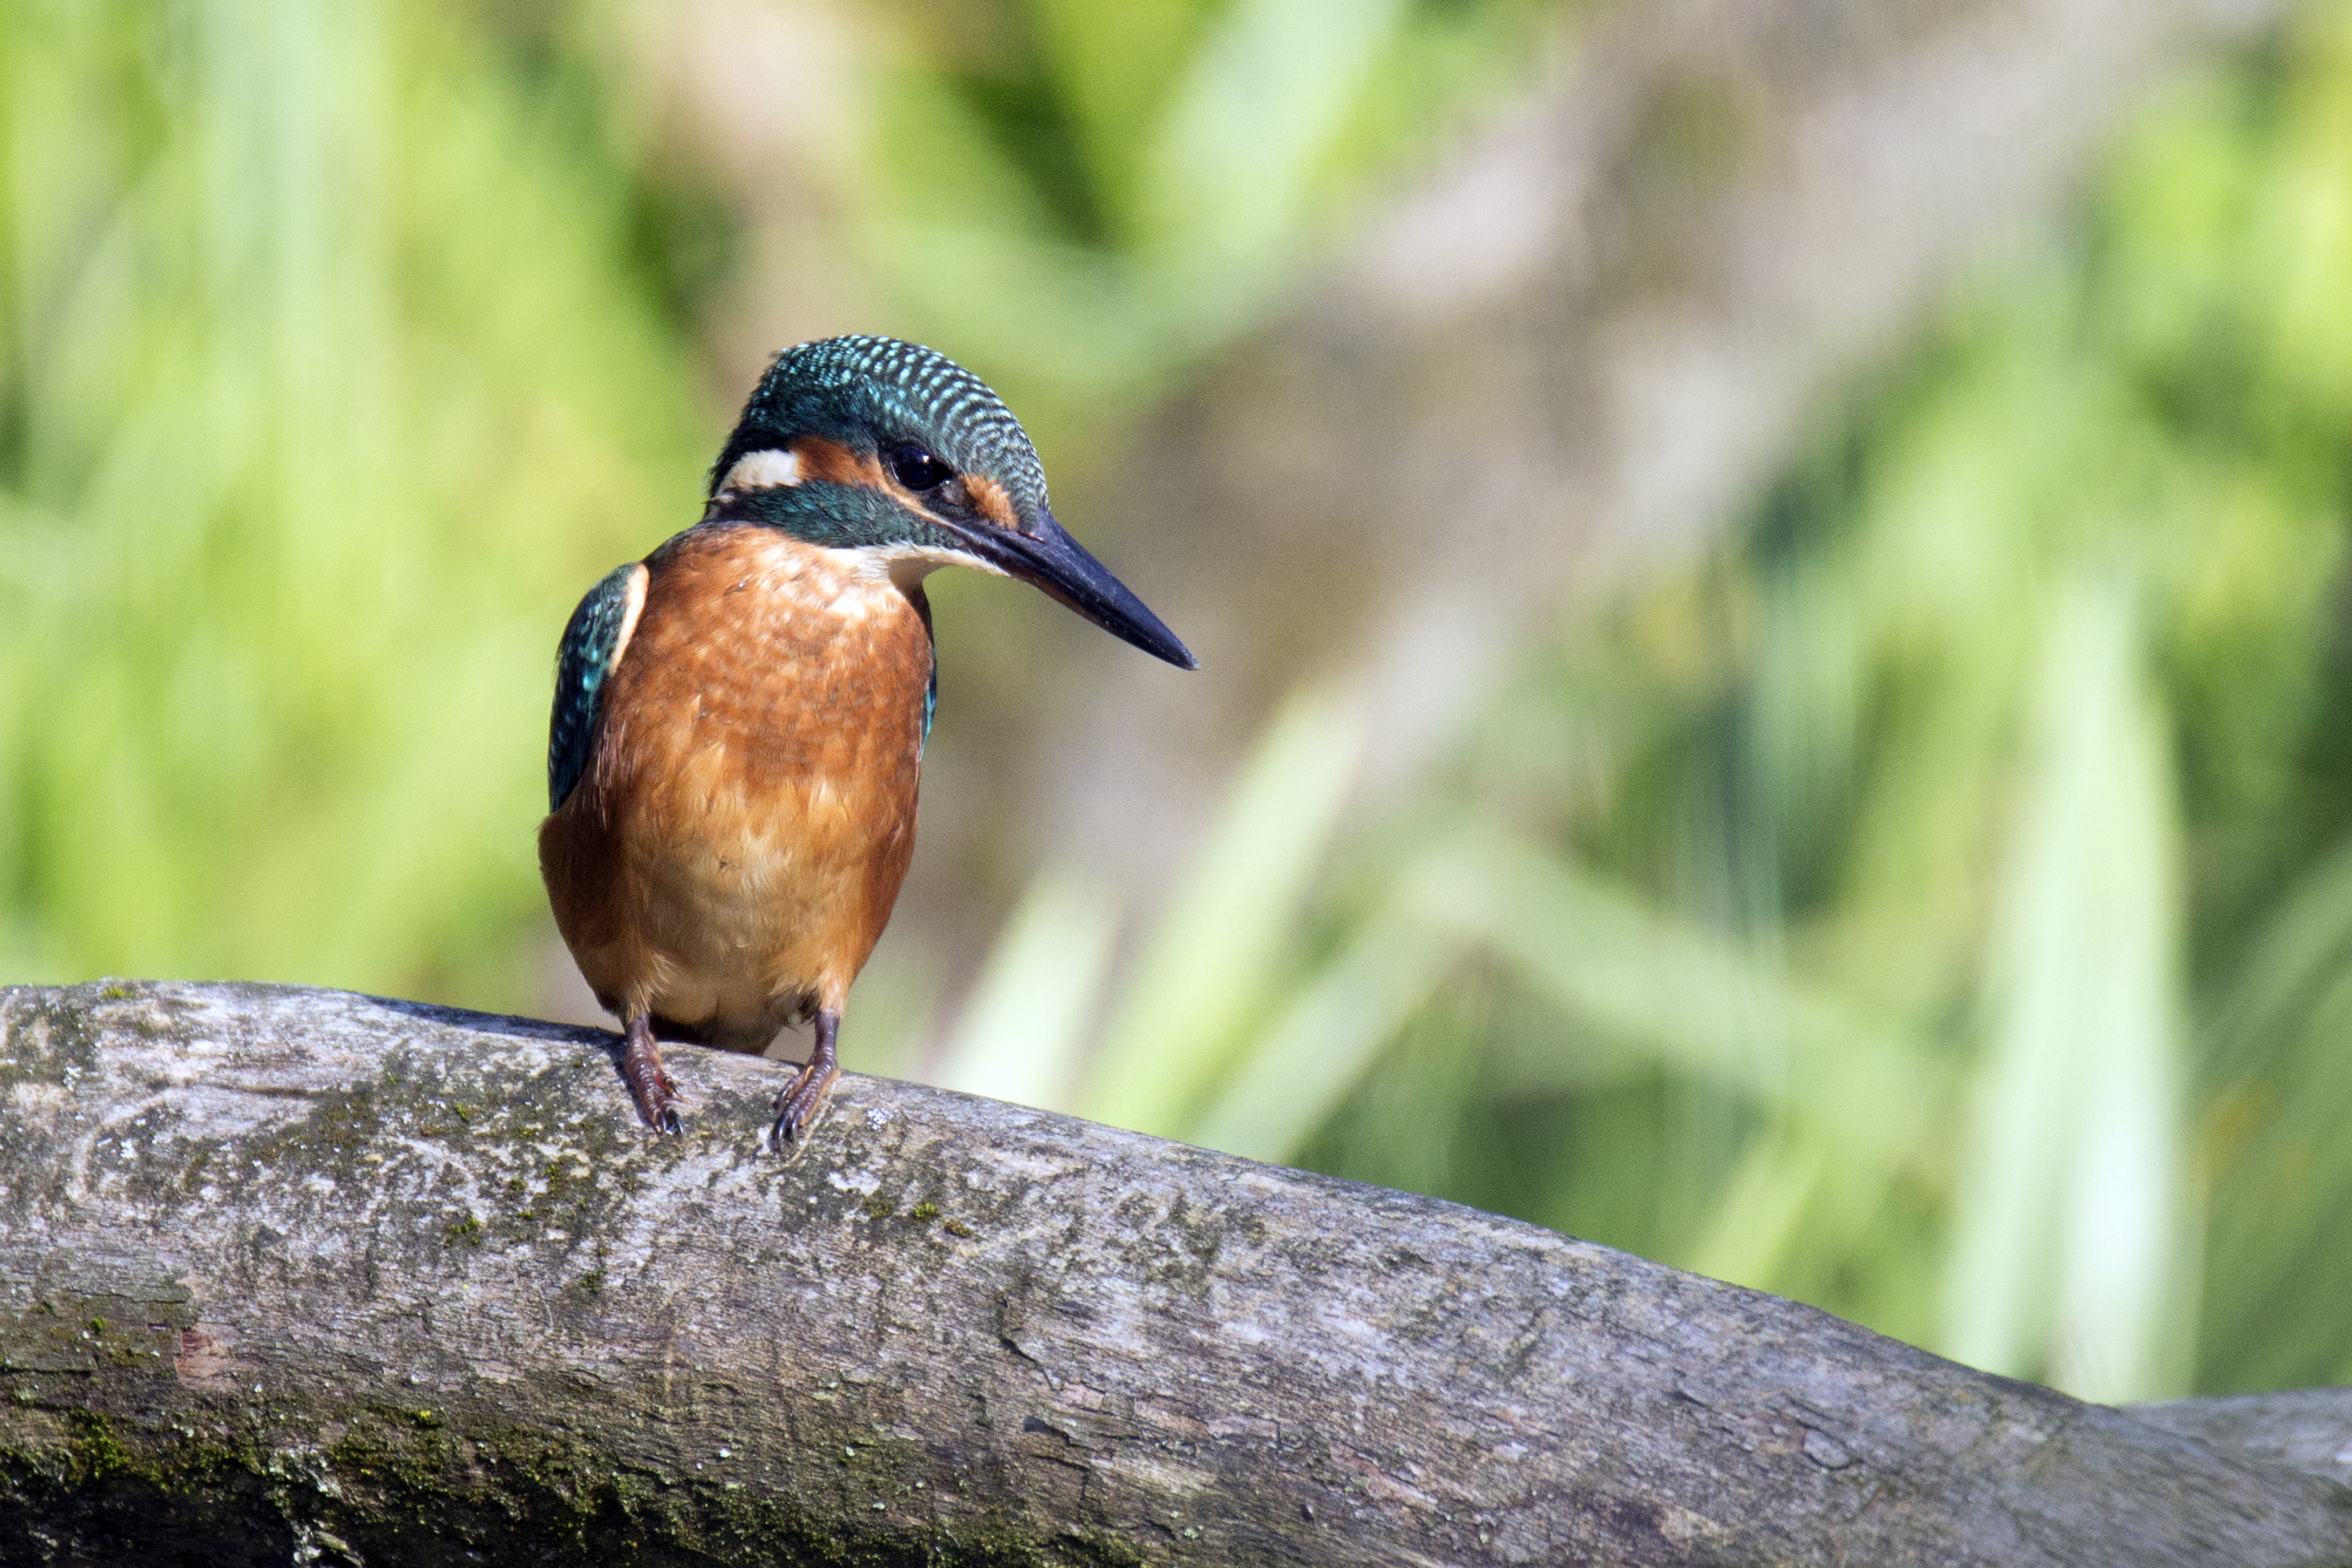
(762,470)
(908,564)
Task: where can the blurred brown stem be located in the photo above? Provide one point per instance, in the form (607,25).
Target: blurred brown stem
(1580,347)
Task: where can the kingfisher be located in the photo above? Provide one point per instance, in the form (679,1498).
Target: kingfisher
(740,716)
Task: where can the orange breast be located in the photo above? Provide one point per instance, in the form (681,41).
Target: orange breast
(734,850)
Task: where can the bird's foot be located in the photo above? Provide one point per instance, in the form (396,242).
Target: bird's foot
(797,1106)
(649,1084)
(802,1098)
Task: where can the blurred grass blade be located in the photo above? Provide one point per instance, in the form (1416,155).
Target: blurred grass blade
(1265,98)
(2276,1271)
(1113,66)
(2068,1216)
(1682,996)
(2305,947)
(1687,998)
(1209,968)
(1021,1031)
(1309,1058)
(1753,1227)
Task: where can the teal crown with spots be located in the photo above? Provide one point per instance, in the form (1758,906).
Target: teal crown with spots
(867,392)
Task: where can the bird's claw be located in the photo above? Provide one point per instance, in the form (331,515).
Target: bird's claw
(797,1106)
(649,1082)
(657,1101)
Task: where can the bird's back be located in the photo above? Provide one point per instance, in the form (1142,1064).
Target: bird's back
(734,849)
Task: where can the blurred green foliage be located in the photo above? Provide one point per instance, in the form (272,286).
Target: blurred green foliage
(1087,197)
(340,345)
(327,376)
(1936,905)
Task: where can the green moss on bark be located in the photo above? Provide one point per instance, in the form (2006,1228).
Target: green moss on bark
(387,1487)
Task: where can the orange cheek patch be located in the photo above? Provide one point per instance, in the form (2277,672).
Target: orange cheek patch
(830,460)
(988,497)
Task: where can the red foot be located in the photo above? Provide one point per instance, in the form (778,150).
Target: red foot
(641,1070)
(798,1105)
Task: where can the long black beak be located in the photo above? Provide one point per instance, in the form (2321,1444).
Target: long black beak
(1051,559)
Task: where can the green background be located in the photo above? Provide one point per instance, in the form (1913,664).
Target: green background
(1934,902)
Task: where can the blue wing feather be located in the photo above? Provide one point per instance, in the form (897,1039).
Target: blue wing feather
(593,643)
(930,686)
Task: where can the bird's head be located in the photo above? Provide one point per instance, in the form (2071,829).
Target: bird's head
(890,449)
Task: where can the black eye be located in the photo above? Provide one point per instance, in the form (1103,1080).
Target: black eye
(915,467)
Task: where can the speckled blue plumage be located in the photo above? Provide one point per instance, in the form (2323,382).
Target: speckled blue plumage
(591,647)
(855,390)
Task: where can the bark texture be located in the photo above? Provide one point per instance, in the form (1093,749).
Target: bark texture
(301,1276)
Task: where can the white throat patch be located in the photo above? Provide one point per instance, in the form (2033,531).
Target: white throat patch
(908,564)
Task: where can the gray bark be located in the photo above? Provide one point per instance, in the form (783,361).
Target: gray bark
(2307,1429)
(290,1275)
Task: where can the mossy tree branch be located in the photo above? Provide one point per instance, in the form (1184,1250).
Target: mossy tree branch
(296,1275)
